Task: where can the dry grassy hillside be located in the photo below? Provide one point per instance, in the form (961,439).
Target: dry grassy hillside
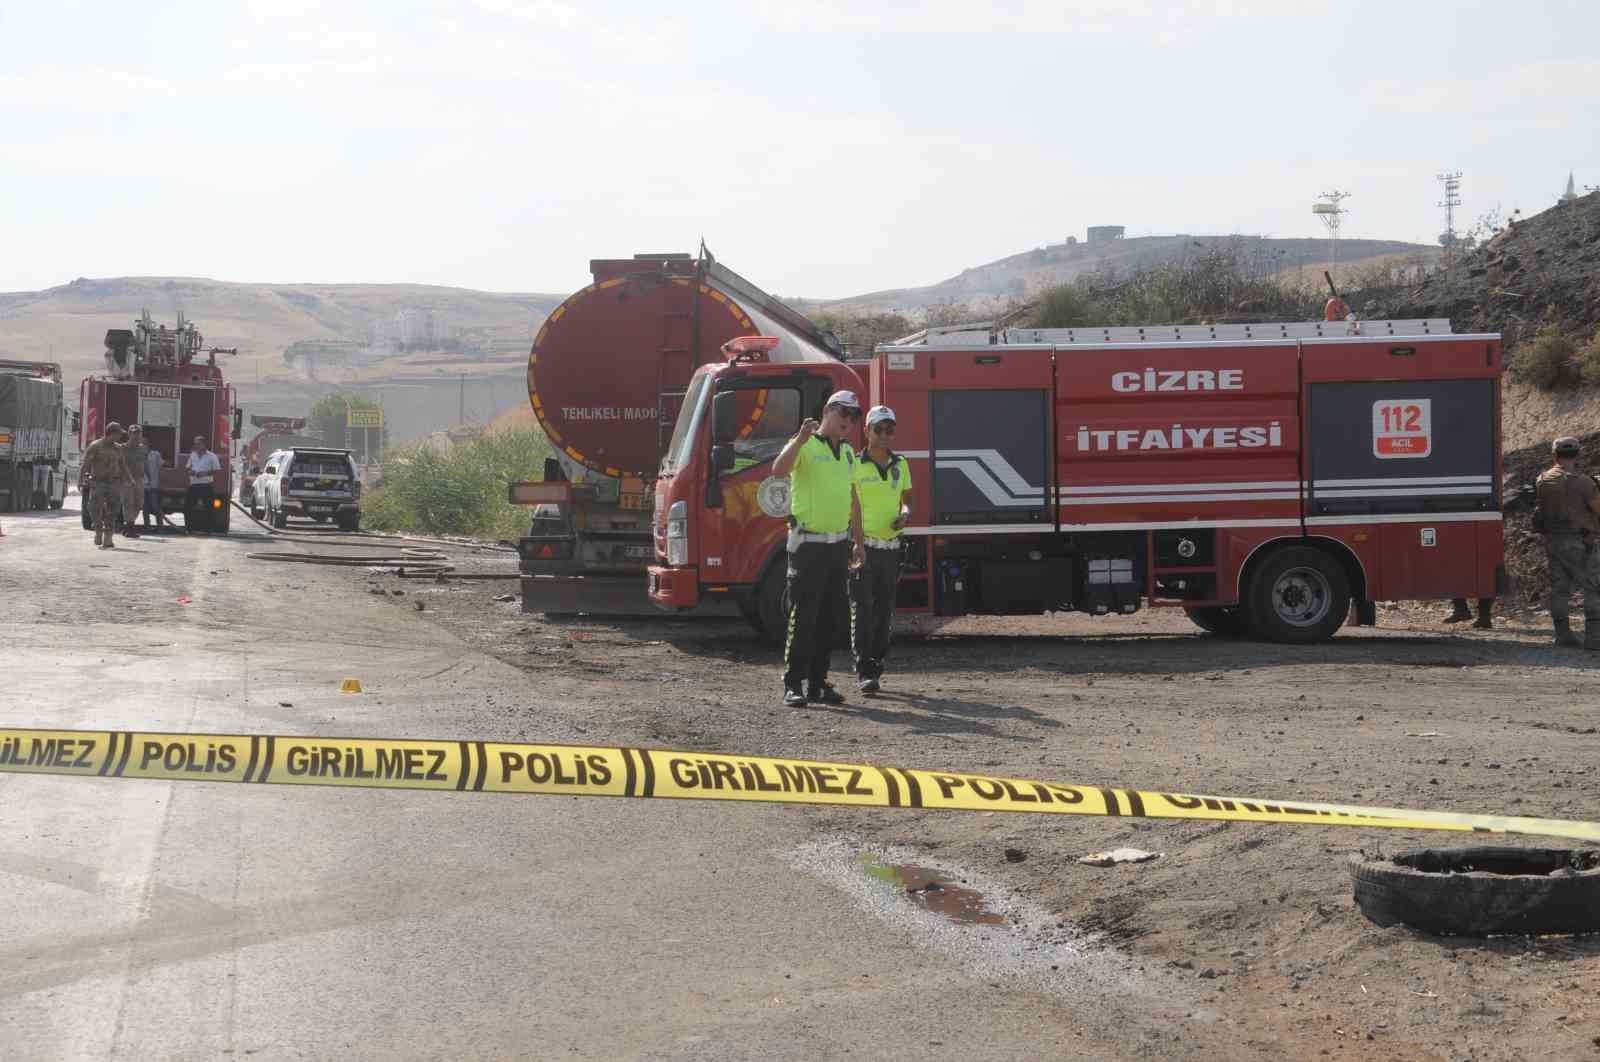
(68,323)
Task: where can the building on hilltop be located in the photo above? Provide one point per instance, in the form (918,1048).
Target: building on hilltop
(1572,191)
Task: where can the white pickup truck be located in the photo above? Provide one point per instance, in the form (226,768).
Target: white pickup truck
(316,483)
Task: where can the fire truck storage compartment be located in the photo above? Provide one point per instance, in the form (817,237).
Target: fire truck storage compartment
(990,455)
(1003,578)
(195,413)
(1413,446)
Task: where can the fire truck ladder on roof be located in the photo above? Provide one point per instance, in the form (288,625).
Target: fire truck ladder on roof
(1434,326)
(983,333)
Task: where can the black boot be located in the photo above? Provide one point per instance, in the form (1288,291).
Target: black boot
(1459,612)
(1564,635)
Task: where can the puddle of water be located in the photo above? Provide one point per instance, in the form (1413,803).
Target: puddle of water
(934,891)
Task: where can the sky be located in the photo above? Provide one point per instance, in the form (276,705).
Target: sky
(823,148)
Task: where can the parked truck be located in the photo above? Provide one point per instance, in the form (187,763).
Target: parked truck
(1263,478)
(167,381)
(34,421)
(607,374)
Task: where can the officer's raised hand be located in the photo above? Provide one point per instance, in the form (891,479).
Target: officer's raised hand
(808,428)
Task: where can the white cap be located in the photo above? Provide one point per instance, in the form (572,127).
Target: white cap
(877,413)
(847,399)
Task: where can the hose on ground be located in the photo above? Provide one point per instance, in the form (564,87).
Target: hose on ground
(427,561)
(375,539)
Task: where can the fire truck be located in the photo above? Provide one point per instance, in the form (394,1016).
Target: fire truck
(1264,478)
(168,382)
(607,373)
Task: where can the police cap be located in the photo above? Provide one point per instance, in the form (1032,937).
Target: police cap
(1565,446)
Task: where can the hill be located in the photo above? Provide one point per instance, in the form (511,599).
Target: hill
(1019,277)
(68,323)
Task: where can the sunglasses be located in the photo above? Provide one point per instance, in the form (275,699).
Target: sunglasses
(883,428)
(848,413)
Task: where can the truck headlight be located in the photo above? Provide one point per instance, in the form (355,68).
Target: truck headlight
(678,534)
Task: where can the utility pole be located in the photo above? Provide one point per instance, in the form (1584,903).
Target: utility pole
(461,411)
(1451,200)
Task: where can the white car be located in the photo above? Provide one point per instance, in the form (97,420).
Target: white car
(319,484)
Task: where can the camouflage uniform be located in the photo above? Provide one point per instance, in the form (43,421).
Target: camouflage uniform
(103,466)
(136,458)
(1571,531)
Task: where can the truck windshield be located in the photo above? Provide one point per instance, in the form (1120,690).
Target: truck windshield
(688,426)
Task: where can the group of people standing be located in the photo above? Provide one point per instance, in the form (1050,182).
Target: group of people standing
(121,473)
(847,511)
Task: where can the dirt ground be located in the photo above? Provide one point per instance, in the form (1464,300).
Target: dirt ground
(1412,713)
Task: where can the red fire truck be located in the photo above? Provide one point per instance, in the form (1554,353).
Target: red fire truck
(1261,477)
(166,381)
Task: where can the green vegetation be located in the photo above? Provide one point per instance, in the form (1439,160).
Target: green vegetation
(328,419)
(459,493)
(1548,361)
(1220,284)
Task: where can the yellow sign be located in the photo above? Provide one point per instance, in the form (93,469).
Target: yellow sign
(366,418)
(584,770)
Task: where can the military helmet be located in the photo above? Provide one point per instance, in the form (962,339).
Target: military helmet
(1566,446)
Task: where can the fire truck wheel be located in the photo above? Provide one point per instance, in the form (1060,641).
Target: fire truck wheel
(1227,622)
(1298,595)
(771,614)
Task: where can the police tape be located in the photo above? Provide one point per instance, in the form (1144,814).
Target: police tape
(618,771)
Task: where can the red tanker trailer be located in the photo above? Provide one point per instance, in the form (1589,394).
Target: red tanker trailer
(606,377)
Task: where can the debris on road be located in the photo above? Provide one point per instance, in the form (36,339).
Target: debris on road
(1118,855)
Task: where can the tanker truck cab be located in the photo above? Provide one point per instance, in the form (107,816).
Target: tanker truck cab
(720,514)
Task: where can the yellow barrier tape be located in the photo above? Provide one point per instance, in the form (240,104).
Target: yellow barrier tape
(585,770)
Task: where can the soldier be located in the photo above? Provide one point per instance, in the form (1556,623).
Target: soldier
(883,483)
(1460,612)
(1569,518)
(824,545)
(105,472)
(137,456)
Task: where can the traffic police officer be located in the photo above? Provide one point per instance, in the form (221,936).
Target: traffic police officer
(1569,518)
(883,483)
(103,468)
(824,545)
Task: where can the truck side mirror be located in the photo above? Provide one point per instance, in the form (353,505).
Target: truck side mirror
(725,417)
(722,458)
(553,472)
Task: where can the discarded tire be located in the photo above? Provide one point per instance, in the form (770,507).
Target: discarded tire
(1483,891)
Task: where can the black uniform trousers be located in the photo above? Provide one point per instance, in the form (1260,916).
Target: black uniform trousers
(197,508)
(818,572)
(872,597)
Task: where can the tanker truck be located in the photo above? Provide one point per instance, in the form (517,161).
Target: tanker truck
(607,374)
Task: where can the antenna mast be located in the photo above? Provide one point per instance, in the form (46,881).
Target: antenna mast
(1451,200)
(1332,214)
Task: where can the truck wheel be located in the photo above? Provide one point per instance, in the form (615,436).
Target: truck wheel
(771,604)
(1216,619)
(1299,595)
(278,518)
(221,520)
(57,503)
(350,523)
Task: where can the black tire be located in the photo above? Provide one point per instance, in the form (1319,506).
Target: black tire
(1219,620)
(222,519)
(278,518)
(58,503)
(771,604)
(1484,890)
(350,523)
(1297,596)
(86,498)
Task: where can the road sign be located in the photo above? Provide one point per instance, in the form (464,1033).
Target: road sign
(366,418)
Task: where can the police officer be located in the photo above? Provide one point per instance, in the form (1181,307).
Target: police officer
(1569,517)
(137,457)
(883,483)
(824,545)
(103,468)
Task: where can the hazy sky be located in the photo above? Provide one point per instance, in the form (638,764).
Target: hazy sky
(821,147)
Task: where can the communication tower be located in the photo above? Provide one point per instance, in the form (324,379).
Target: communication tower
(1451,200)
(1332,214)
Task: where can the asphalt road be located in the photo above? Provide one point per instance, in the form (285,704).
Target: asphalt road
(192,921)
